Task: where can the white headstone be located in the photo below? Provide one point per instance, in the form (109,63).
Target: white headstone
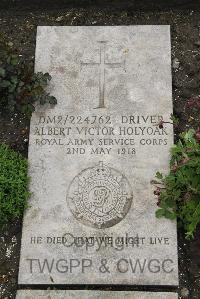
(26,294)
(92,157)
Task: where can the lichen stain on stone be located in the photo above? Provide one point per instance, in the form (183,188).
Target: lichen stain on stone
(126,51)
(61,69)
(34,212)
(73,74)
(91,83)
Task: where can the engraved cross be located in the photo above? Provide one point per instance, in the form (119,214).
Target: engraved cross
(102,66)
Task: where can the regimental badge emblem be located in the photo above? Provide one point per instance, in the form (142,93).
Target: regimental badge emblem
(99,196)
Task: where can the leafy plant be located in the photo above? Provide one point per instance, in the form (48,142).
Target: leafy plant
(20,88)
(179,191)
(13,184)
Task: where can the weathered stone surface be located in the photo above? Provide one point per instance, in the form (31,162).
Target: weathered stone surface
(92,157)
(26,294)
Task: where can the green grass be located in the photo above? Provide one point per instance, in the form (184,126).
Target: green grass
(13,184)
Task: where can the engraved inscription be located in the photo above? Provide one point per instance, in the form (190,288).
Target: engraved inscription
(103,65)
(99,196)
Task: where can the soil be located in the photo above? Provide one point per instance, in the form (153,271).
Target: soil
(20,28)
(125,4)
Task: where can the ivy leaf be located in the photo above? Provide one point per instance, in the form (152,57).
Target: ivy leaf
(159,175)
(14,60)
(28,109)
(10,44)
(174,119)
(42,101)
(189,135)
(22,87)
(180,192)
(170,215)
(47,76)
(160,213)
(52,100)
(5,83)
(2,72)
(14,80)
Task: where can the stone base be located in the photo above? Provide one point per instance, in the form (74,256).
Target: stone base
(85,294)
